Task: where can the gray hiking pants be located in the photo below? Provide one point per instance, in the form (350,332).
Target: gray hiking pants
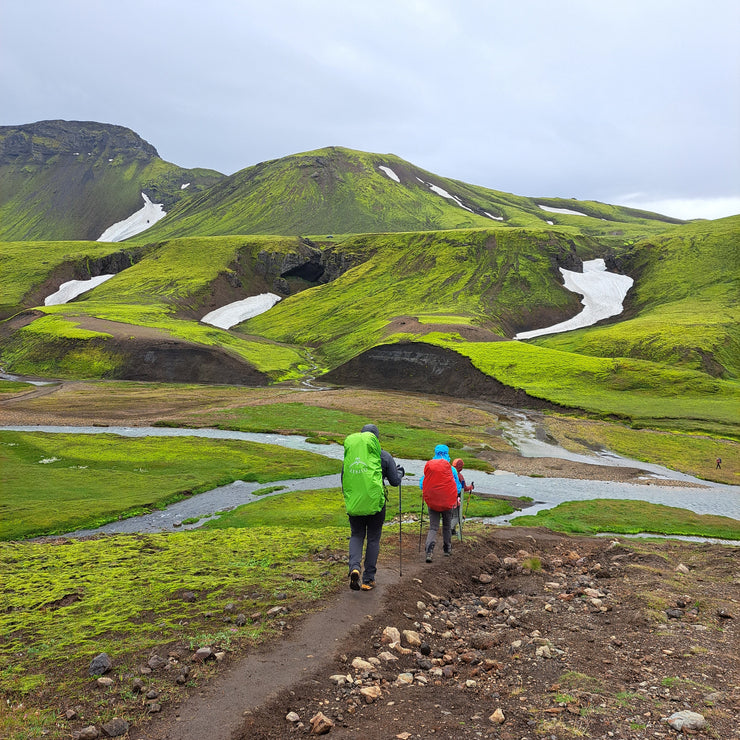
(370,527)
(434,517)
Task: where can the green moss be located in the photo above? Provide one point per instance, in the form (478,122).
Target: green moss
(630,517)
(59,482)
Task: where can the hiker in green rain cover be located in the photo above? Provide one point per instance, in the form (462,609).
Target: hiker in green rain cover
(365,467)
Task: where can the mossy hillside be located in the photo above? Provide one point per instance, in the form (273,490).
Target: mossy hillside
(634,389)
(55,483)
(490,278)
(25,265)
(344,191)
(172,278)
(75,179)
(630,517)
(686,301)
(64,604)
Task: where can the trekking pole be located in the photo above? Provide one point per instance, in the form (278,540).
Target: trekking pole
(400,540)
(459,517)
(421,521)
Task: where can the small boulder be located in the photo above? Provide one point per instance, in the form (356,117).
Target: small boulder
(412,638)
(88,733)
(320,724)
(100,664)
(686,720)
(497,717)
(371,693)
(116,727)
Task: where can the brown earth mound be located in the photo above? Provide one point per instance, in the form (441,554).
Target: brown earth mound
(424,368)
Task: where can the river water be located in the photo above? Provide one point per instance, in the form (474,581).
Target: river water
(711,498)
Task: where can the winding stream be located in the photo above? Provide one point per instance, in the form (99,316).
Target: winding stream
(711,498)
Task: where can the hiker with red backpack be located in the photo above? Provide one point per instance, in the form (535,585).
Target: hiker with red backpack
(364,470)
(440,488)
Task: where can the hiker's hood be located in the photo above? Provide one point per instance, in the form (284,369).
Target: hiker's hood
(371,428)
(442,452)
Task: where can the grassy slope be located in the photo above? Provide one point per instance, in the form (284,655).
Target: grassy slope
(24,265)
(686,299)
(646,392)
(343,191)
(489,277)
(630,517)
(71,180)
(79,199)
(174,276)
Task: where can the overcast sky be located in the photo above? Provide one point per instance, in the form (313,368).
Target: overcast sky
(634,102)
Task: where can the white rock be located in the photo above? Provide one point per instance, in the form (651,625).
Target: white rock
(390,634)
(292,717)
(686,721)
(497,717)
(359,664)
(371,693)
(413,638)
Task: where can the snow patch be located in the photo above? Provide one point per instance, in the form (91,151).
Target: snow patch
(135,223)
(441,191)
(495,218)
(603,293)
(71,289)
(234,313)
(567,211)
(184,185)
(388,171)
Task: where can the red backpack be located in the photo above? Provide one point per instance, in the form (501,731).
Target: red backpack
(438,487)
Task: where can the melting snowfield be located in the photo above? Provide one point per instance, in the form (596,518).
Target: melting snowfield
(69,290)
(566,211)
(234,313)
(135,223)
(603,293)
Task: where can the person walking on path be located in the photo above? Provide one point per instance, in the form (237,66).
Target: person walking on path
(457,515)
(440,488)
(719,463)
(364,470)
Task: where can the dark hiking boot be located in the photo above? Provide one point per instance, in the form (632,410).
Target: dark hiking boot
(448,552)
(354,580)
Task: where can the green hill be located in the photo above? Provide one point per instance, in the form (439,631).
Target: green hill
(342,191)
(72,180)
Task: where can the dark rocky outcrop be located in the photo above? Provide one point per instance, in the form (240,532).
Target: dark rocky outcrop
(424,368)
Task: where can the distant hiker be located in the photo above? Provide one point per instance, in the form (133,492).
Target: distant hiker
(441,488)
(458,464)
(365,466)
(719,463)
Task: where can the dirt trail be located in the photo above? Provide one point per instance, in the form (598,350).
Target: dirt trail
(218,710)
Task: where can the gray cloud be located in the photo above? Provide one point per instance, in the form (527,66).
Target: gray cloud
(633,101)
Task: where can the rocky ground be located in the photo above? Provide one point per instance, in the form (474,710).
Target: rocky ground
(527,634)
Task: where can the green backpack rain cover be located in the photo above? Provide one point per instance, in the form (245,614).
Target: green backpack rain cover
(362,475)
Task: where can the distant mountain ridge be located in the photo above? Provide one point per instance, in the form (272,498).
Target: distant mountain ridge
(74,179)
